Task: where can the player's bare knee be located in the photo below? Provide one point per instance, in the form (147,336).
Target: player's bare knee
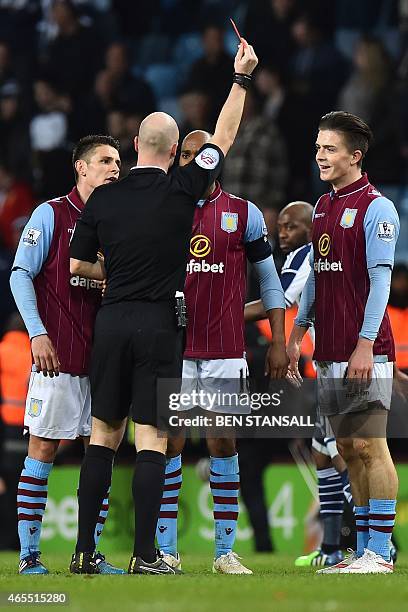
(322,462)
(107,434)
(221,447)
(147,437)
(362,448)
(43,449)
(175,446)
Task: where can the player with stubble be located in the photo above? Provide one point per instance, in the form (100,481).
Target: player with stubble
(228,232)
(354,234)
(59,311)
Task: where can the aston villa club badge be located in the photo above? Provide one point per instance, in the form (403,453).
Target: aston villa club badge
(35,407)
(348,217)
(229,222)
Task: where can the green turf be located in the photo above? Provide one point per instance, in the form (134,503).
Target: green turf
(275,585)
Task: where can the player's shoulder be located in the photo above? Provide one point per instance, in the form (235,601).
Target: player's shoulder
(380,204)
(295,258)
(237,200)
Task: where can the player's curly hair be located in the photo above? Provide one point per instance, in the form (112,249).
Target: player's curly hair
(88,143)
(357,133)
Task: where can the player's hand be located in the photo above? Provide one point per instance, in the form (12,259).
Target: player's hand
(45,355)
(293,352)
(276,361)
(361,363)
(245,59)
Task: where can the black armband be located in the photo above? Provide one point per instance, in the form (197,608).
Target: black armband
(258,250)
(242,79)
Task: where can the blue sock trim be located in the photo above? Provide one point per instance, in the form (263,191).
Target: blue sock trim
(381,506)
(37,468)
(224,466)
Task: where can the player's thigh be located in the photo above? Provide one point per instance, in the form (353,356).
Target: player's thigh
(54,406)
(112,363)
(326,389)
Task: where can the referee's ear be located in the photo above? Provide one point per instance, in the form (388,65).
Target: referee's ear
(136,143)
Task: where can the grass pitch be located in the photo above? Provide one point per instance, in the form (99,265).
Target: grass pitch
(276,585)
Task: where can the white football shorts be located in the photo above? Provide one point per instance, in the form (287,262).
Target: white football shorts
(220,385)
(58,408)
(337,396)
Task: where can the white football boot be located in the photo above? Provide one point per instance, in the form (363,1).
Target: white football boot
(369,563)
(172,560)
(229,564)
(335,569)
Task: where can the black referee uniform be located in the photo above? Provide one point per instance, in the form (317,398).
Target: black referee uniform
(142,224)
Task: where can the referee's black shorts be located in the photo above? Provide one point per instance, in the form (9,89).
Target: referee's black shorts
(135,345)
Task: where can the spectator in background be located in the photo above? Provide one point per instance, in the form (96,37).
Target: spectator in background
(123,125)
(317,69)
(371,94)
(7,73)
(15,367)
(268,23)
(48,136)
(195,107)
(121,87)
(257,166)
(211,73)
(285,109)
(14,136)
(16,204)
(74,55)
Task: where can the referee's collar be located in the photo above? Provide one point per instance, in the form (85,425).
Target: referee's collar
(147,169)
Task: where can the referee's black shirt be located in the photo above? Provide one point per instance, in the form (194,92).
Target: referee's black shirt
(143,226)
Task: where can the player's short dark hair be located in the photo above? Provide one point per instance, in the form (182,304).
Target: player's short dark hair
(87,144)
(357,134)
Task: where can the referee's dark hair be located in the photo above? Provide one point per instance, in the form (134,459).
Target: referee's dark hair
(87,144)
(357,133)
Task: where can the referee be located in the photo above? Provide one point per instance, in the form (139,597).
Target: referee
(142,224)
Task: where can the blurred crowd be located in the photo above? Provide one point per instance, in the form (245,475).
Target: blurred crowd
(69,68)
(73,67)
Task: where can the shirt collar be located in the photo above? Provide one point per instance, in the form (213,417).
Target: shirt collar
(213,196)
(349,189)
(75,199)
(147,168)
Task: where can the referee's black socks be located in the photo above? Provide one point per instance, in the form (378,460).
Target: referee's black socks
(148,482)
(94,481)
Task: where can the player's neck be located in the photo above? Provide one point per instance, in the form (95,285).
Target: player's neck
(152,160)
(84,191)
(347,179)
(210,191)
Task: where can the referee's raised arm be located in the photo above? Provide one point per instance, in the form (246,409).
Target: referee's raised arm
(230,116)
